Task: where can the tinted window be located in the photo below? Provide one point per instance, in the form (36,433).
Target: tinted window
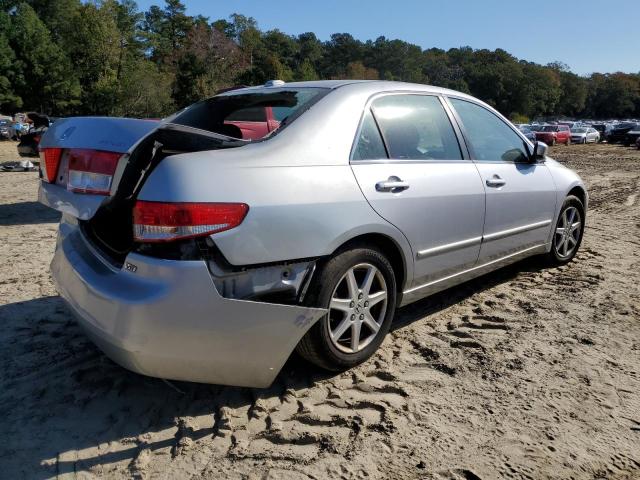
(369,144)
(416,127)
(490,137)
(280,113)
(253,114)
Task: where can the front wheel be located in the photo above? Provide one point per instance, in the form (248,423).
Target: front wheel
(568,231)
(358,288)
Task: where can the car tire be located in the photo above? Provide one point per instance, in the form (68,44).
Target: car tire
(324,345)
(570,236)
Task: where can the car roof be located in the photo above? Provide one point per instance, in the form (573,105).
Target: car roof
(364,85)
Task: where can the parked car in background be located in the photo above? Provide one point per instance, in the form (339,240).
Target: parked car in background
(552,134)
(6,130)
(584,135)
(603,129)
(619,132)
(632,135)
(29,142)
(527,132)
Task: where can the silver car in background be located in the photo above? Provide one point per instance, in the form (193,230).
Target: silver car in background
(208,246)
(584,134)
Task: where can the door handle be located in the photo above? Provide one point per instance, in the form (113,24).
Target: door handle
(392,184)
(496,182)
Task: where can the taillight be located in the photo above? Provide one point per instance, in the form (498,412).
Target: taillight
(164,222)
(91,171)
(49,162)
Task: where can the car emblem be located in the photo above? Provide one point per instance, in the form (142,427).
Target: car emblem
(130,267)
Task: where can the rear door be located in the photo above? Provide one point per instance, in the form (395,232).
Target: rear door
(409,165)
(521,195)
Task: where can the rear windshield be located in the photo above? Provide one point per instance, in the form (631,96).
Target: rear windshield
(579,130)
(550,128)
(250,114)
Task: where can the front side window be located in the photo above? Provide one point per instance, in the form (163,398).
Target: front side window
(369,145)
(491,139)
(416,127)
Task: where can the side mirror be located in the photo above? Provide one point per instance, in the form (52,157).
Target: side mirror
(539,150)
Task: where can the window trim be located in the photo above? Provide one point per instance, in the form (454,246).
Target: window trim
(464,153)
(527,144)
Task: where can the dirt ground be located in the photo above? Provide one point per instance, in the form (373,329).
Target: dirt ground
(525,373)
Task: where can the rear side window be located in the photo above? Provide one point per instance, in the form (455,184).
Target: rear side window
(491,139)
(416,127)
(369,145)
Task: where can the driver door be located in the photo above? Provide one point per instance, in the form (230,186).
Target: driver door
(520,194)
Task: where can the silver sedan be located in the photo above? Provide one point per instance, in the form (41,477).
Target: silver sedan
(584,135)
(210,245)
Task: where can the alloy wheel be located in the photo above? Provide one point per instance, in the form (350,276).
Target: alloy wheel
(358,307)
(568,232)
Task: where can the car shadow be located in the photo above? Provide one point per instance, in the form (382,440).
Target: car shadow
(445,299)
(27,213)
(60,395)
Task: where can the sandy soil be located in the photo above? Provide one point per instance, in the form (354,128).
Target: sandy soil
(524,373)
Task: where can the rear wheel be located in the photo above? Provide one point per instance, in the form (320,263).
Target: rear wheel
(568,231)
(358,288)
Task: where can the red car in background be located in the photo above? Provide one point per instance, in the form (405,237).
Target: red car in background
(552,134)
(254,122)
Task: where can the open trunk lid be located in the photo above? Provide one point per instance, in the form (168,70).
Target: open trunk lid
(100,133)
(66,138)
(129,150)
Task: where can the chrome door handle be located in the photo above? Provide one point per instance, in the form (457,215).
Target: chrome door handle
(496,181)
(392,184)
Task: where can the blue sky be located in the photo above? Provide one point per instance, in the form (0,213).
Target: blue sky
(588,35)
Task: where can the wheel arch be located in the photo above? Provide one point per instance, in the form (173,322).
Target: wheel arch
(581,193)
(390,248)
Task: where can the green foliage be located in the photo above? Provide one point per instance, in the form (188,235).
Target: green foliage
(106,57)
(519,118)
(49,83)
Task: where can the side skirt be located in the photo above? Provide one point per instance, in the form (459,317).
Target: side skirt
(421,291)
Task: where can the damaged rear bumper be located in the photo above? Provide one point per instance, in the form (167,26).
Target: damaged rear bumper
(165,318)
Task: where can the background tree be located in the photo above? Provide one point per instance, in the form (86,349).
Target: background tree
(106,57)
